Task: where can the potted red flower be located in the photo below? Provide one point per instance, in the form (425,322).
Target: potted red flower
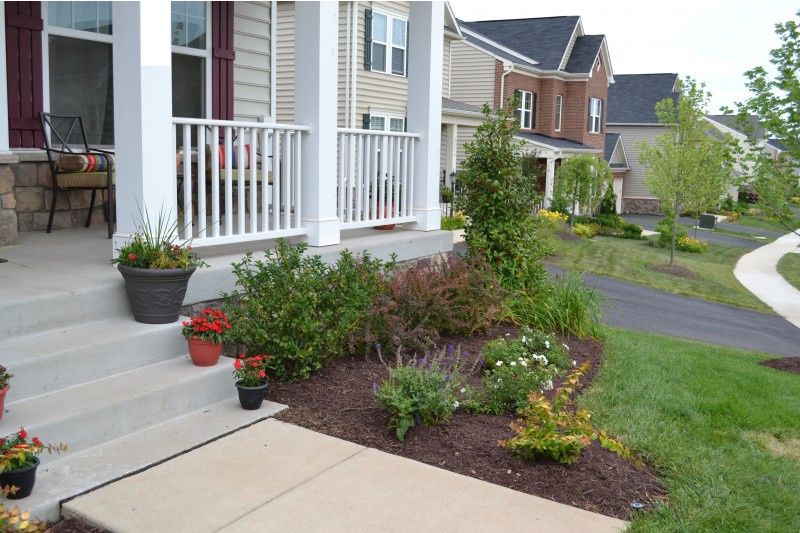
(4,377)
(251,379)
(19,461)
(204,333)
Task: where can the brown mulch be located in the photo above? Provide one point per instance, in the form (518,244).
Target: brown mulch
(339,401)
(73,526)
(787,364)
(674,270)
(566,236)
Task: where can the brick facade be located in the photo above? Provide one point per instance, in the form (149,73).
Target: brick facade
(575,102)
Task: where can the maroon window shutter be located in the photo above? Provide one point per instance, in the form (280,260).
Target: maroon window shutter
(222,56)
(24,71)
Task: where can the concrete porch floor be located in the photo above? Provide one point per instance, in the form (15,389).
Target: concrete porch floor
(77,259)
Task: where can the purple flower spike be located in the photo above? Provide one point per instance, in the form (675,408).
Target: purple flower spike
(451,348)
(378,346)
(447,378)
(417,420)
(375,387)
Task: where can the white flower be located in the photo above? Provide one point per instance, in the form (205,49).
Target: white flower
(547,344)
(565,346)
(463,390)
(574,362)
(455,404)
(513,363)
(523,363)
(548,385)
(499,363)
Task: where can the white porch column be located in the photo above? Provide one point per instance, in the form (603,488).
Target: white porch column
(451,164)
(143,114)
(315,82)
(617,184)
(548,182)
(425,48)
(4,149)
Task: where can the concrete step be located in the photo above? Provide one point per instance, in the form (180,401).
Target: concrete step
(105,409)
(65,357)
(77,473)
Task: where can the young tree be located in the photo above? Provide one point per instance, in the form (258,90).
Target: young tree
(776,102)
(498,199)
(582,180)
(686,165)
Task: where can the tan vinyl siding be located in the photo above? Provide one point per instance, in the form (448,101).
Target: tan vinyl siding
(443,150)
(285,63)
(251,68)
(471,75)
(633,186)
(466,134)
(345,16)
(446,67)
(377,91)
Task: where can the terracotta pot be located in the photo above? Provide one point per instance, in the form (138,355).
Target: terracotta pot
(251,398)
(204,353)
(3,401)
(388,211)
(23,479)
(156,296)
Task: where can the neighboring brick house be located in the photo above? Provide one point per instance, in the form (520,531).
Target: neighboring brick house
(560,75)
(632,115)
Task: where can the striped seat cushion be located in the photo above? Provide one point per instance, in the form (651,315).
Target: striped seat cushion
(234,156)
(84,163)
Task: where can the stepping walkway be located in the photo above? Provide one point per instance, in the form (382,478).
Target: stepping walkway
(275,476)
(758,272)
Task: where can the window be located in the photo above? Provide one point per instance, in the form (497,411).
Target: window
(80,68)
(526,109)
(559,102)
(387,43)
(595,115)
(190,59)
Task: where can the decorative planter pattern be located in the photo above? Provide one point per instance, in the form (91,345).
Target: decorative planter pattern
(23,479)
(204,353)
(251,398)
(156,296)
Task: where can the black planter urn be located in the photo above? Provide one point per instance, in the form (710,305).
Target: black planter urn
(23,479)
(251,398)
(156,295)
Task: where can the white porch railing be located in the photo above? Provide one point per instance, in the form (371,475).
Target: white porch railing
(375,178)
(240,181)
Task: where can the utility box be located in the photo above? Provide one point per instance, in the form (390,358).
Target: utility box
(707,221)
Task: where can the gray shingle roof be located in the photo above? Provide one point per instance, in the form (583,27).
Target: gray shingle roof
(583,54)
(611,142)
(498,52)
(775,143)
(563,144)
(632,98)
(542,39)
(460,106)
(731,121)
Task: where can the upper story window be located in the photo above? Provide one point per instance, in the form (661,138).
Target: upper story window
(526,109)
(386,43)
(559,103)
(190,60)
(595,115)
(78,64)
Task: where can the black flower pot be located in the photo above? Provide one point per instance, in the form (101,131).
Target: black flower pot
(251,398)
(156,295)
(23,479)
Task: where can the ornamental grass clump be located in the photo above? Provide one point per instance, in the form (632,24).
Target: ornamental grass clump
(423,392)
(209,325)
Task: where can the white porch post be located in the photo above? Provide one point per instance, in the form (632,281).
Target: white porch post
(451,165)
(548,182)
(617,184)
(315,82)
(425,48)
(143,114)
(4,149)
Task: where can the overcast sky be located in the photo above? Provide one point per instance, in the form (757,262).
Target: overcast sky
(714,41)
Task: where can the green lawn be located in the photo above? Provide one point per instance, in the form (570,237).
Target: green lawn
(789,268)
(732,233)
(715,425)
(761,223)
(628,260)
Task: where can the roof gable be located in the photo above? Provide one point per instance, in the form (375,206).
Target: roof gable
(632,98)
(584,53)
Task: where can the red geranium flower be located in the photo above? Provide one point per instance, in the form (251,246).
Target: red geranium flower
(132,256)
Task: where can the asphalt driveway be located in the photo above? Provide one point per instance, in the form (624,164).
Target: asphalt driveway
(649,222)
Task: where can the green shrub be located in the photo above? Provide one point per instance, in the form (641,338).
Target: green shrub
(608,206)
(530,344)
(694,246)
(497,197)
(452,296)
(568,307)
(609,221)
(631,231)
(587,231)
(422,392)
(664,229)
(457,221)
(300,310)
(557,431)
(728,204)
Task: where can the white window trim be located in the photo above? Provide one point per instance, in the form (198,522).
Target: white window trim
(388,44)
(598,116)
(559,112)
(522,99)
(386,121)
(185,50)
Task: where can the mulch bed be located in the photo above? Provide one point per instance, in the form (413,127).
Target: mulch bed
(787,364)
(339,401)
(674,270)
(566,236)
(73,526)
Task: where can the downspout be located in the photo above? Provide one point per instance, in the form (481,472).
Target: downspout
(503,81)
(347,70)
(353,76)
(273,70)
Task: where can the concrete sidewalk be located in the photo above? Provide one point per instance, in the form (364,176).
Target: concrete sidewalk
(758,272)
(274,476)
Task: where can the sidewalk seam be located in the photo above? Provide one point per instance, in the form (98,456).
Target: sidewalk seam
(291,489)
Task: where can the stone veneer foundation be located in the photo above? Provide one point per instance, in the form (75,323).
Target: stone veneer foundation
(641,206)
